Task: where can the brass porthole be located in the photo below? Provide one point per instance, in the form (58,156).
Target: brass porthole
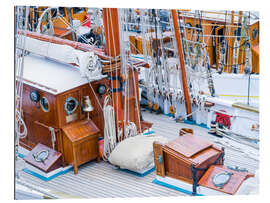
(44,103)
(70,105)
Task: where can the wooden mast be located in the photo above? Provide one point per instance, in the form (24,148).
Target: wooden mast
(111,29)
(112,49)
(231,44)
(182,64)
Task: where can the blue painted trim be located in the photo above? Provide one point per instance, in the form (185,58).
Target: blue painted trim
(192,122)
(150,132)
(21,155)
(203,125)
(139,57)
(45,178)
(174,187)
(168,114)
(138,174)
(40,176)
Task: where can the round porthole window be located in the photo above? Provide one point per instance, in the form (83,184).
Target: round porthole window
(44,103)
(70,105)
(221,179)
(34,96)
(101,89)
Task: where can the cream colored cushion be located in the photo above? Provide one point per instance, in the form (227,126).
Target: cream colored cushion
(136,153)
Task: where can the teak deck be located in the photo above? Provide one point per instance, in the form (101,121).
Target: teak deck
(102,180)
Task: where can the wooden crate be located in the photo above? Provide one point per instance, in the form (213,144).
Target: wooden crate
(184,157)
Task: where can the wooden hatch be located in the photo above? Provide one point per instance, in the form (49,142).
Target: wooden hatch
(44,158)
(177,158)
(232,184)
(188,145)
(80,130)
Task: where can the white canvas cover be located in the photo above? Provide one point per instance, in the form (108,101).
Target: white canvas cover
(59,52)
(136,153)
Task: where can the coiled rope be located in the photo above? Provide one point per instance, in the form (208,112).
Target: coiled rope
(109,129)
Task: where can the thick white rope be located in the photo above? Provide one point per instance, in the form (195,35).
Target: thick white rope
(109,129)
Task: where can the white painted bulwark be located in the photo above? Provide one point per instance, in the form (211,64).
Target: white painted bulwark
(234,87)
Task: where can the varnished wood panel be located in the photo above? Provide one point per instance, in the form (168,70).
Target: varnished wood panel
(68,150)
(231,187)
(97,102)
(80,142)
(52,162)
(256,40)
(32,113)
(178,169)
(177,165)
(188,145)
(111,31)
(38,121)
(61,99)
(34,109)
(139,45)
(256,59)
(87,150)
(133,45)
(159,159)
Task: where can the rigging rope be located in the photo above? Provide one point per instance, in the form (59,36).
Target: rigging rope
(19,69)
(19,66)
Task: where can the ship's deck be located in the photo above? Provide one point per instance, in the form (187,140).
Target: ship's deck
(102,180)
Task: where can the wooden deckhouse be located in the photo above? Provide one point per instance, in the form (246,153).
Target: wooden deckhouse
(53,96)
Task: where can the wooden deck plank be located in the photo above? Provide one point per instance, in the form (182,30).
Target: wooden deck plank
(102,180)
